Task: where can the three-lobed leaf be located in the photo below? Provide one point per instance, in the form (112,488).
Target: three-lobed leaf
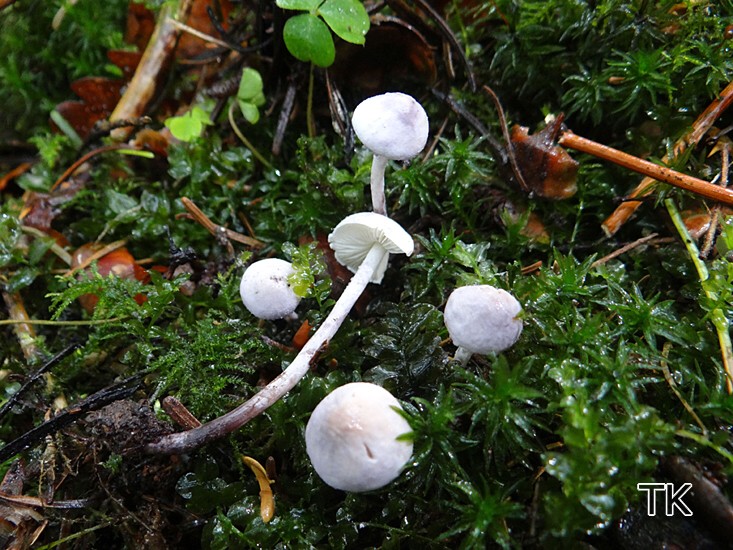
(307,37)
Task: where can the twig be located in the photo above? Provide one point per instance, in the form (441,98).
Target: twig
(508,139)
(309,122)
(98,254)
(71,169)
(725,149)
(649,169)
(55,247)
(699,128)
(673,386)
(448,34)
(47,322)
(179,413)
(217,230)
(716,315)
(69,415)
(197,33)
(35,376)
(14,173)
(622,250)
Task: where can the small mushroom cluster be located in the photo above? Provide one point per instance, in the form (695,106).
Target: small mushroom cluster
(353,436)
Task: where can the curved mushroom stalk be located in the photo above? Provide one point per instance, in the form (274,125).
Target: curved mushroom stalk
(368,236)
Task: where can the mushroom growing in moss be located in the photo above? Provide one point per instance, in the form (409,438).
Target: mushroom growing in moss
(352,438)
(394,126)
(482,319)
(265,289)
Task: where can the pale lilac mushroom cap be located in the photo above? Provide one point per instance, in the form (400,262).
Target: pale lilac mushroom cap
(482,319)
(394,126)
(351,438)
(265,289)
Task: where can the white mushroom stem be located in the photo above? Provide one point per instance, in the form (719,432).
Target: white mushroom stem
(183,442)
(463,355)
(376,180)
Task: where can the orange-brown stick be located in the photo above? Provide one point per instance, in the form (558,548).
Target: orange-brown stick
(655,171)
(702,124)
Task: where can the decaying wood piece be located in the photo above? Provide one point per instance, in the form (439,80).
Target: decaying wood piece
(699,128)
(156,59)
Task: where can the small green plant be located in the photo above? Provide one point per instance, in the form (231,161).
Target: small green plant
(307,35)
(250,95)
(189,125)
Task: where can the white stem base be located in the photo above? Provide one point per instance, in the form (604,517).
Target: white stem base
(463,355)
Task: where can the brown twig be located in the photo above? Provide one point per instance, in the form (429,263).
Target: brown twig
(217,230)
(725,149)
(98,254)
(15,172)
(616,253)
(73,168)
(508,139)
(649,169)
(179,413)
(699,128)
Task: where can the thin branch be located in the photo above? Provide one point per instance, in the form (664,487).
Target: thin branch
(197,33)
(13,399)
(649,169)
(623,250)
(23,327)
(700,127)
(97,255)
(69,415)
(218,230)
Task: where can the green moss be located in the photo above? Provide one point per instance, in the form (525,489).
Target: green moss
(540,445)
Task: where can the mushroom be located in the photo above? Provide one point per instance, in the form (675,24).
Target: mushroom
(351,438)
(482,319)
(265,289)
(394,126)
(363,243)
